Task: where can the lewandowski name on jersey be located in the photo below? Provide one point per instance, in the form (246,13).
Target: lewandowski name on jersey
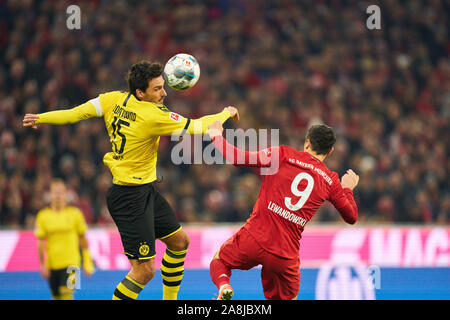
(286,214)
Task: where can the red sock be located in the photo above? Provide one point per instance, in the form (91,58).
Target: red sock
(220,274)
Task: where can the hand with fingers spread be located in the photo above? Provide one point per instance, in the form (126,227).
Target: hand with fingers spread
(350,179)
(29,121)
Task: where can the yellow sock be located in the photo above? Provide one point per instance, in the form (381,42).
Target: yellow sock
(172,270)
(128,289)
(64,296)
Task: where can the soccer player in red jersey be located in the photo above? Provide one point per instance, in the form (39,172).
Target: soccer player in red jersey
(287,200)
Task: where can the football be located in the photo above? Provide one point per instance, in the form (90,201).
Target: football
(181,72)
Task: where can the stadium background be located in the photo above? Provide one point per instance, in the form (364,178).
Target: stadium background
(285,64)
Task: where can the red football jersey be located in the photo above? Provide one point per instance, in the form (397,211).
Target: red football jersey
(289,198)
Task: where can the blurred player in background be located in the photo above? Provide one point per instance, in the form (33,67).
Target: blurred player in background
(60,230)
(135,120)
(287,201)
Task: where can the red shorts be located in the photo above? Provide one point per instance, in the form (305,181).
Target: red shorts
(280,276)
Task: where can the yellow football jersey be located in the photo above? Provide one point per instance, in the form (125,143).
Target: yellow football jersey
(134,128)
(62,231)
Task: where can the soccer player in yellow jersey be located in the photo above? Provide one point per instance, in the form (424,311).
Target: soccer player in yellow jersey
(135,120)
(60,231)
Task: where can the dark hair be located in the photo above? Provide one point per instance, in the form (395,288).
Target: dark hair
(141,73)
(322,138)
(58,181)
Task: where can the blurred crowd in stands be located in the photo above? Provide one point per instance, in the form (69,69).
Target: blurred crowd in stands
(284,64)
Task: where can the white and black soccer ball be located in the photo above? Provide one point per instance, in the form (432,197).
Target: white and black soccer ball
(181,72)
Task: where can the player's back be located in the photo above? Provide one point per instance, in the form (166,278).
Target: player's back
(288,199)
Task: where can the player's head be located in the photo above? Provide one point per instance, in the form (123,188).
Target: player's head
(320,140)
(58,193)
(145,81)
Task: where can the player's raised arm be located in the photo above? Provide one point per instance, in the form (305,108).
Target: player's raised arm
(169,123)
(201,125)
(238,157)
(342,197)
(59,117)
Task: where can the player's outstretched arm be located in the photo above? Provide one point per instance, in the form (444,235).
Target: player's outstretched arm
(166,124)
(237,156)
(201,125)
(59,117)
